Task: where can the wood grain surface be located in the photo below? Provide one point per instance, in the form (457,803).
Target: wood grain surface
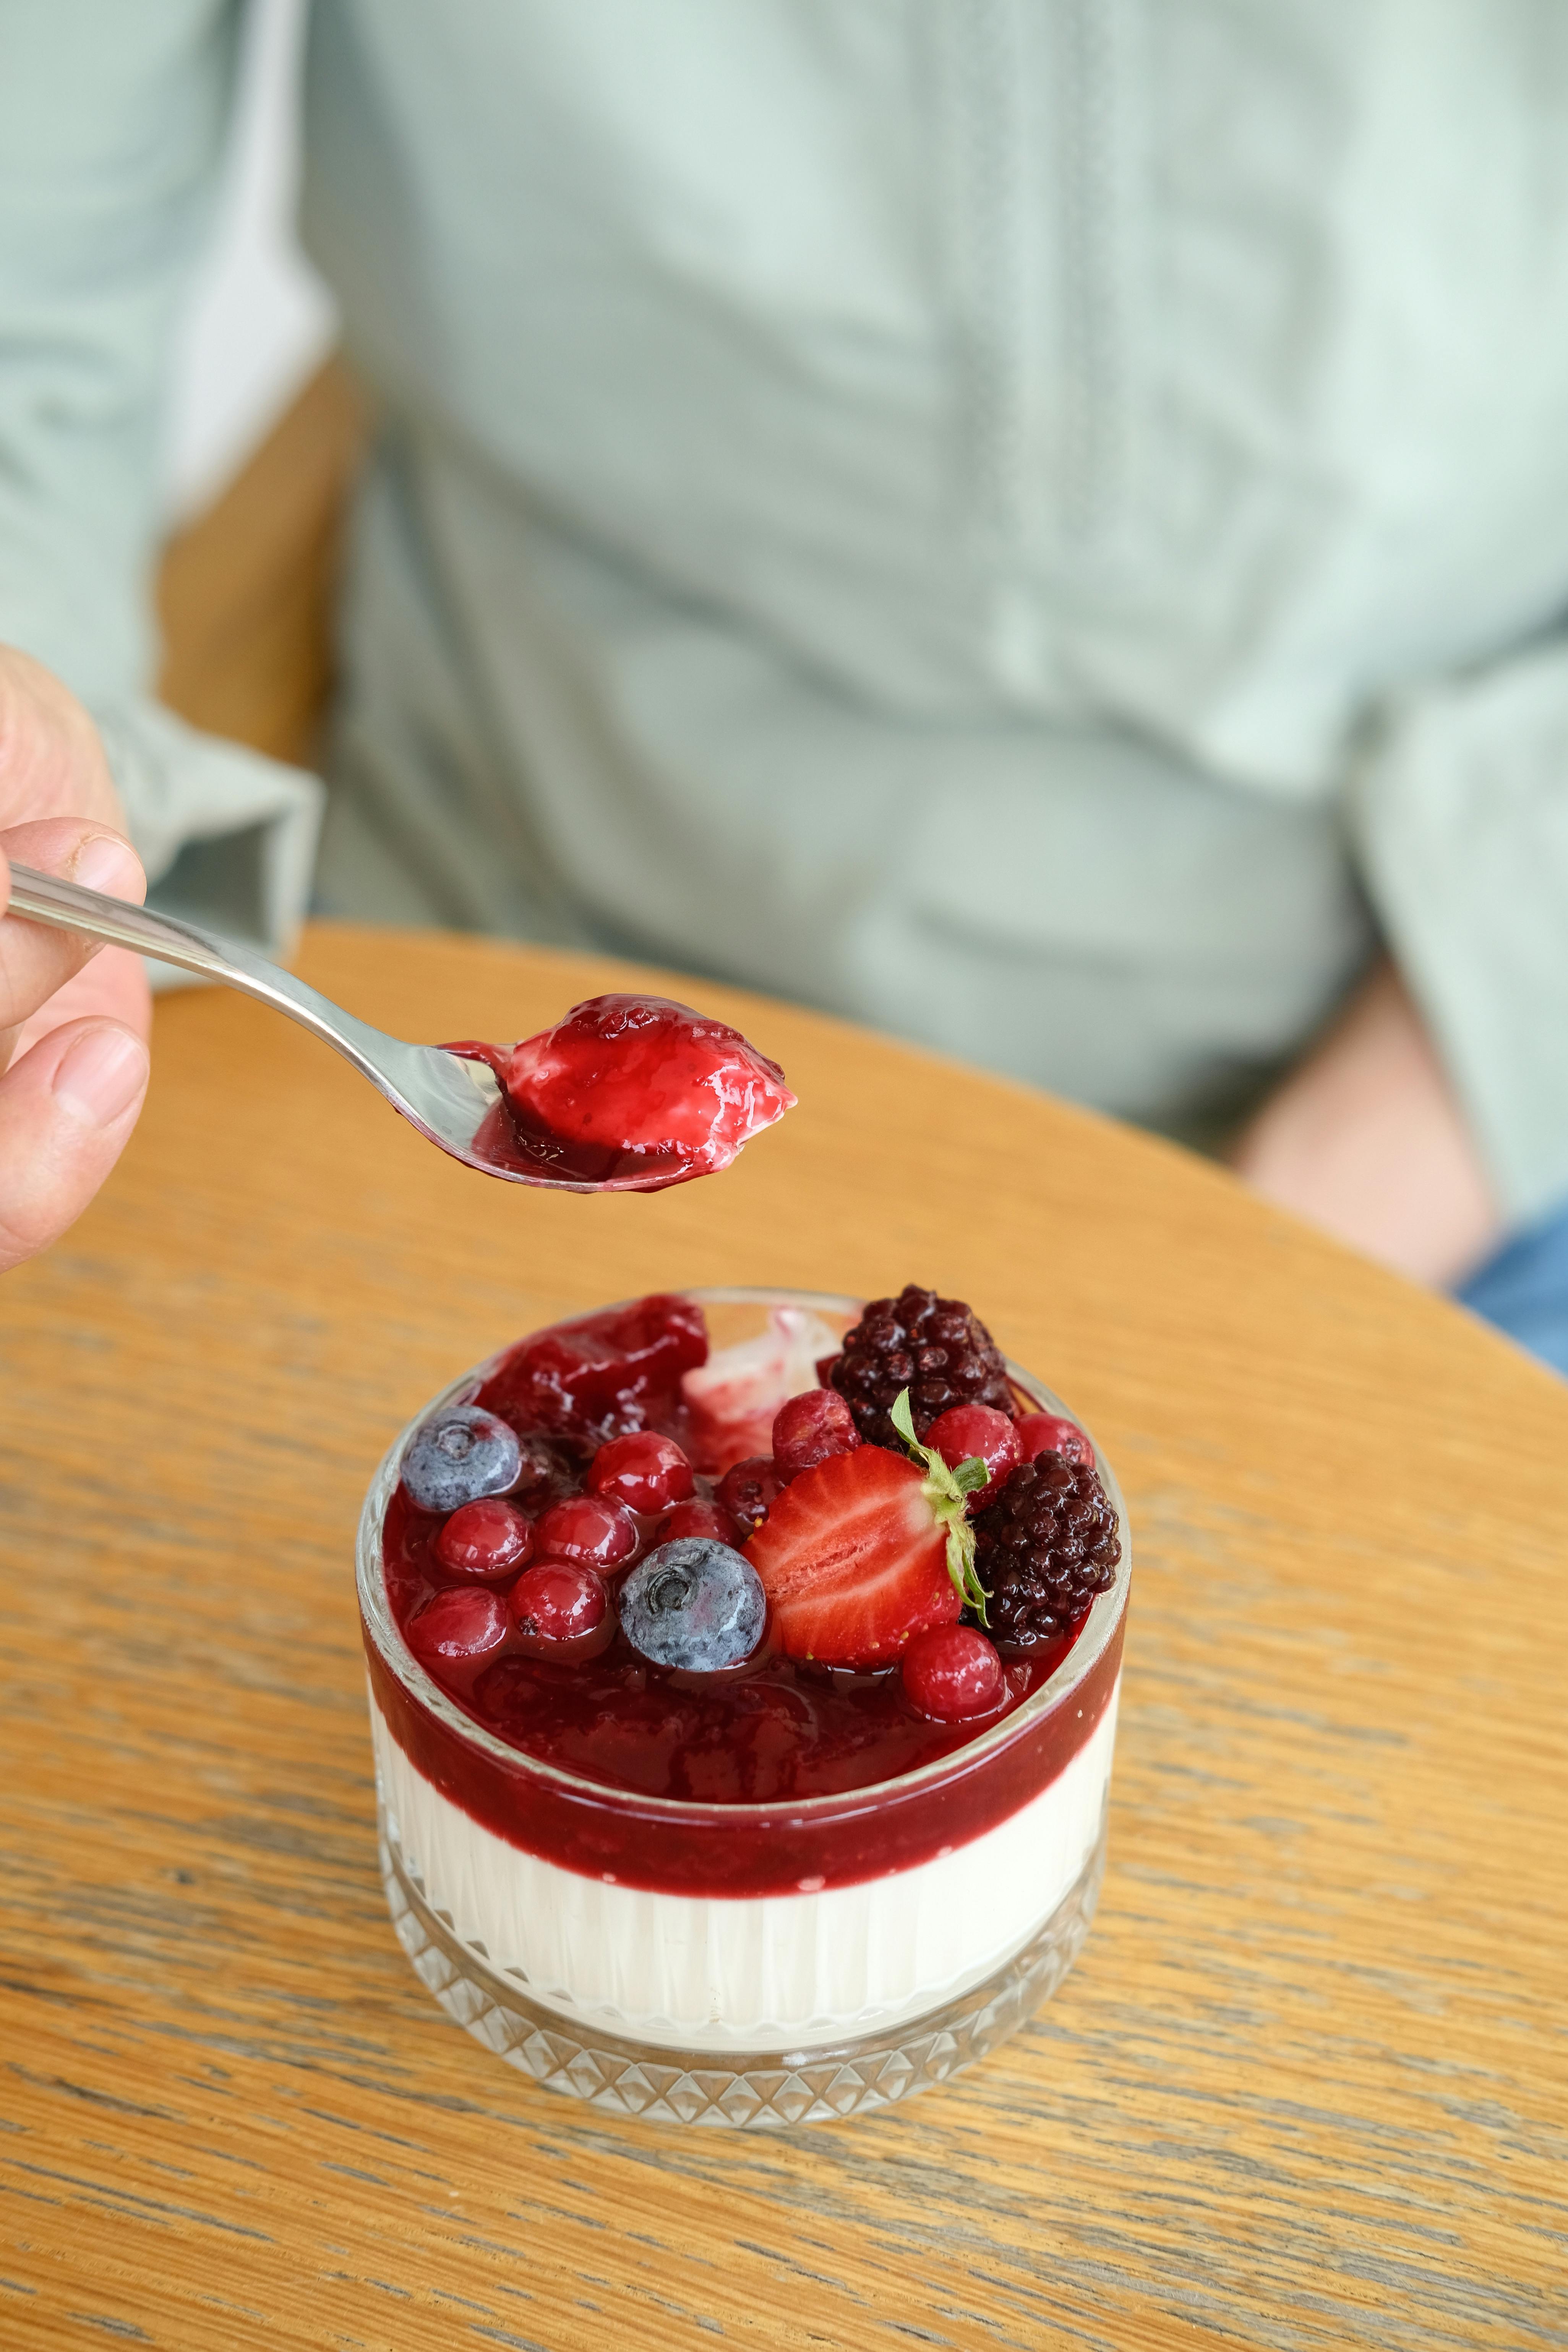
(1307,2084)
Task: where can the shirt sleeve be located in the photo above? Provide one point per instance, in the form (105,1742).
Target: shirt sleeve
(112,129)
(1460,812)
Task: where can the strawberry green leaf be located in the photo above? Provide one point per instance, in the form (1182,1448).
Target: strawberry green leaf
(948,1492)
(903,1421)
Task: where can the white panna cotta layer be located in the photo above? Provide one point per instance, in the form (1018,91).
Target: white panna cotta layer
(749,1972)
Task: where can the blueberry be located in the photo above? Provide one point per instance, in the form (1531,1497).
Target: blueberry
(457,1456)
(693,1604)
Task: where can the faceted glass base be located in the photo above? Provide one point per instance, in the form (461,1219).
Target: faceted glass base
(751,2091)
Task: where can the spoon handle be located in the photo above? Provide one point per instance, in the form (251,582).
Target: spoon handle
(68,907)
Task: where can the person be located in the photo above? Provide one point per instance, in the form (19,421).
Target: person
(1039,526)
(72,1024)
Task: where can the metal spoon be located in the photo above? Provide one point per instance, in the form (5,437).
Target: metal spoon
(451,1100)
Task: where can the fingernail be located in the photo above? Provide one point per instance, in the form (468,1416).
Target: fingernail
(104,865)
(100,1074)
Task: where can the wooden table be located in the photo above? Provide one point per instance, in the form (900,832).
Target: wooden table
(1307,2084)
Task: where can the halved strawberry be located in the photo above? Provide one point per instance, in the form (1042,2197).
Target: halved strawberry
(854,1559)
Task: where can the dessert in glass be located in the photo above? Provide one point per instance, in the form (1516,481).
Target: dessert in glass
(743,1668)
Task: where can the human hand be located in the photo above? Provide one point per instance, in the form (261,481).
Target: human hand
(1365,1140)
(73,1019)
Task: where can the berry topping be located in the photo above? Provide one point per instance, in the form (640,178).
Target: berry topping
(1048,1433)
(644,1472)
(457,1455)
(971,1432)
(550,1467)
(936,1348)
(605,1373)
(748,1490)
(951,1671)
(639,1085)
(705,1519)
(694,1604)
(484,1538)
(558,1607)
(587,1530)
(465,1622)
(512,1543)
(733,1398)
(1043,1550)
(809,1429)
(853,1556)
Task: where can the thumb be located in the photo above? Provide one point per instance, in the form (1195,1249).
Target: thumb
(66,1110)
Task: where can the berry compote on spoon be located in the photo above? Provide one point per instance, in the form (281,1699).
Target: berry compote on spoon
(627,1094)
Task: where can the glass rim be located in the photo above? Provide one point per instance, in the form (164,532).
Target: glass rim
(376,1611)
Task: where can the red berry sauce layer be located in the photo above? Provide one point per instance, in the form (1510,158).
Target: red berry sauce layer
(633,1091)
(625,1650)
(774,1727)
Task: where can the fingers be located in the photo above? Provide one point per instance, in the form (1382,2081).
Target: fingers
(70,1019)
(66,1110)
(35,961)
(112,987)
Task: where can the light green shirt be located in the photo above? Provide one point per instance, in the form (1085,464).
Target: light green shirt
(1038,524)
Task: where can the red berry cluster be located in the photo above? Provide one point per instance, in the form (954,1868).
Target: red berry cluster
(849,1531)
(588,1527)
(963,1408)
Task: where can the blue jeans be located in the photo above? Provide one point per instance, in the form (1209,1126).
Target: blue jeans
(1524,1290)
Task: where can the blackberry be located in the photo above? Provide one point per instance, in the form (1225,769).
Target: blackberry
(938,1349)
(1044,1549)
